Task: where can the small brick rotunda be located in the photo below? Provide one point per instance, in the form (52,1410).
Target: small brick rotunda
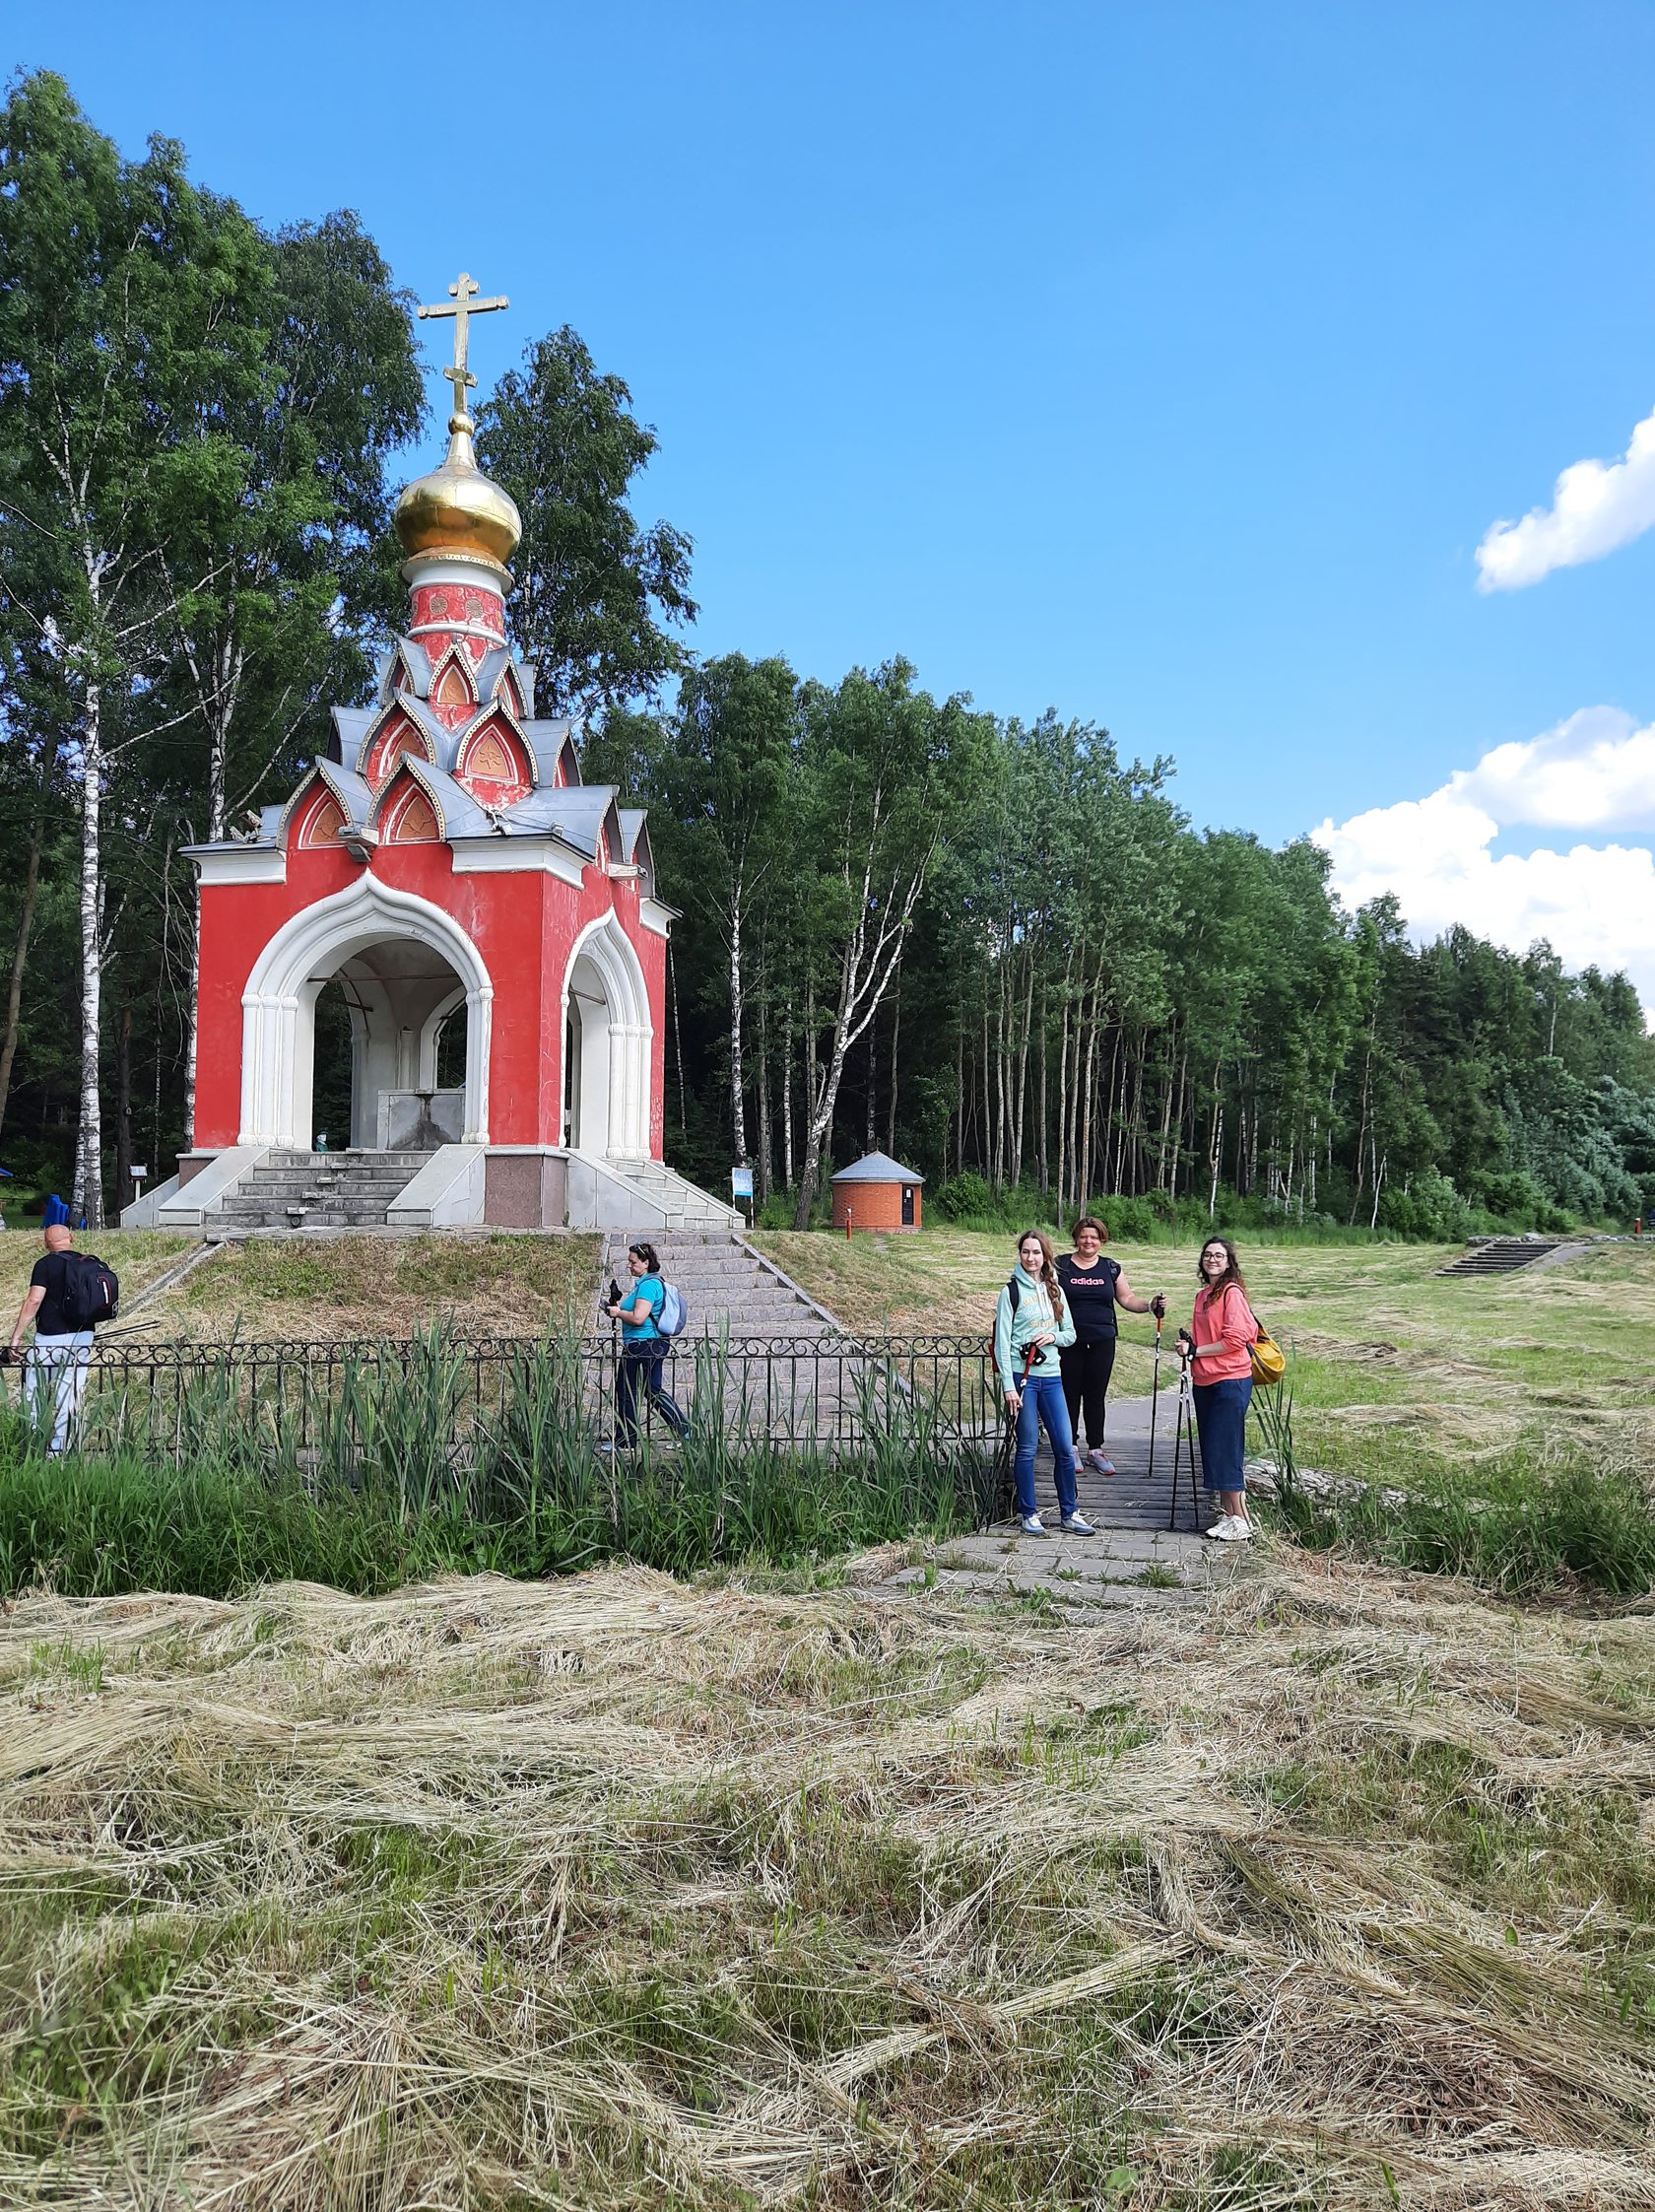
(876,1192)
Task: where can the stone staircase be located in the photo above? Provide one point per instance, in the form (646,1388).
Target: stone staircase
(1501,1256)
(729,1289)
(684,1205)
(316,1190)
(812,1389)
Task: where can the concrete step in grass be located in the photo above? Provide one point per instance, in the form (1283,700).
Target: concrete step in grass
(1501,1256)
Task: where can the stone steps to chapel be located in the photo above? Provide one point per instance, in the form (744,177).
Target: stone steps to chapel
(301,1217)
(293,1189)
(342,1162)
(729,1289)
(1501,1256)
(291,1178)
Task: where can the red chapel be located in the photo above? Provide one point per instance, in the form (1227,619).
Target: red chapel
(444,862)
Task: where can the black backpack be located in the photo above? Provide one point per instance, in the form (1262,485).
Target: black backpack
(91,1291)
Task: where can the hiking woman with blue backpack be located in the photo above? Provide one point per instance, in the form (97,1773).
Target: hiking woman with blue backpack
(1031,1325)
(650,1316)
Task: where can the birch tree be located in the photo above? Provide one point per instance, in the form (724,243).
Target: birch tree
(276,515)
(734,760)
(880,766)
(111,283)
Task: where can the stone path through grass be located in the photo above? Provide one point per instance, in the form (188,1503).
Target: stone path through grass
(1134,1560)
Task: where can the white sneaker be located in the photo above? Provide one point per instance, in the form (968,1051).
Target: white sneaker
(1231,1530)
(1073,1524)
(1033,1525)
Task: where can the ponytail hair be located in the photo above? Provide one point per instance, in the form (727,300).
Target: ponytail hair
(651,1257)
(1048,1270)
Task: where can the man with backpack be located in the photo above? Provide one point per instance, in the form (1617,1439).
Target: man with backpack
(69,1292)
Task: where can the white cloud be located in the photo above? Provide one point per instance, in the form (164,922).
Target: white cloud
(1596,771)
(1595,902)
(1596,505)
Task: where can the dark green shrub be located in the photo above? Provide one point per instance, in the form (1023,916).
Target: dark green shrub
(962,1197)
(1427,1206)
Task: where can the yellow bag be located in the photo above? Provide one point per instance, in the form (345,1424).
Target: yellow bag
(1270,1361)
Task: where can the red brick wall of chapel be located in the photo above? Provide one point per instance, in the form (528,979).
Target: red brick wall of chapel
(524,926)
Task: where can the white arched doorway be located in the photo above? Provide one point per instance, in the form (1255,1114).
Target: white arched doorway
(384,941)
(607,1040)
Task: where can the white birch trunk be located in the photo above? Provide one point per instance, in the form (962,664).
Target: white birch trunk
(738,1108)
(89,1148)
(866,972)
(787,1096)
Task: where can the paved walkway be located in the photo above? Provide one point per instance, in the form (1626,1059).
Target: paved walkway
(1135,1559)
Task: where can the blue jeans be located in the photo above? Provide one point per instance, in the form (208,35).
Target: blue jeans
(1043,1400)
(640,1373)
(1220,1418)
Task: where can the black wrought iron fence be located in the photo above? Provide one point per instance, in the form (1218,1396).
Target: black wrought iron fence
(332,1404)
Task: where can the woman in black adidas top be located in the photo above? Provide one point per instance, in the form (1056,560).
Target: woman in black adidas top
(1095,1286)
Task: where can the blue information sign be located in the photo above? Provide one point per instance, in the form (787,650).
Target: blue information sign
(741,1182)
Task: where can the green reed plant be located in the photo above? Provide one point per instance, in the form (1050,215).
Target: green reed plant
(1542,1516)
(411,1465)
(1571,1518)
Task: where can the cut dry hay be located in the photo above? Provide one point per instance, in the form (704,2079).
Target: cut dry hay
(617,1892)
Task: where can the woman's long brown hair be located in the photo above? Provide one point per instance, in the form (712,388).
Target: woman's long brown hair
(1048,1270)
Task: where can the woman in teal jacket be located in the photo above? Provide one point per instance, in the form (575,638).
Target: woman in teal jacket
(1031,1325)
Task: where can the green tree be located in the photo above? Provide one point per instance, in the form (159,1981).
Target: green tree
(595,592)
(880,761)
(734,768)
(274,499)
(119,288)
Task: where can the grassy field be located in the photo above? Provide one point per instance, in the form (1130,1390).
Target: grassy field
(331,1288)
(1396,1369)
(1332,1889)
(1335,1892)
(327,1289)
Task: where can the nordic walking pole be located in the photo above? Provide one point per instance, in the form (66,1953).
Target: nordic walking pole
(1194,1440)
(1177,1444)
(1184,1442)
(1158,1306)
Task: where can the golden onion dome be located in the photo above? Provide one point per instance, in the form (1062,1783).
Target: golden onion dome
(457,510)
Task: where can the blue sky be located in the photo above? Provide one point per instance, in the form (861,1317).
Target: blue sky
(1164,363)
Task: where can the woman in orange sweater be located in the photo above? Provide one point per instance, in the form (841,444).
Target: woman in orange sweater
(1221,1359)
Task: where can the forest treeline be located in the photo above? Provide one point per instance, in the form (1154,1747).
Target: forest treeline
(989,946)
(999,951)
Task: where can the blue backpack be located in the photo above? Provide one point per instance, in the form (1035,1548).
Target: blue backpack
(674,1314)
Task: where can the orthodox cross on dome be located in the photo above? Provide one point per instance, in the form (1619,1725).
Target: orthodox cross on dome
(466,304)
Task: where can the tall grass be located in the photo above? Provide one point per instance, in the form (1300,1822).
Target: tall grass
(1571,1519)
(1543,1516)
(399,1474)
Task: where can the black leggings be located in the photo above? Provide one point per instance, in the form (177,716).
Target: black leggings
(637,1374)
(1086,1368)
